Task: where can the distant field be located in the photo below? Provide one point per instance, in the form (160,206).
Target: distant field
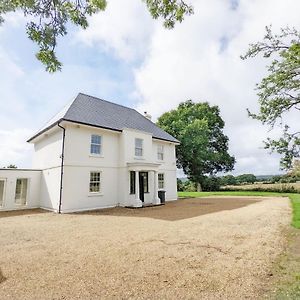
(261,187)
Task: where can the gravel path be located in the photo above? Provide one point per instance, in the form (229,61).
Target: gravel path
(222,255)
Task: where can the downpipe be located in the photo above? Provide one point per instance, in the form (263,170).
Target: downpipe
(62,156)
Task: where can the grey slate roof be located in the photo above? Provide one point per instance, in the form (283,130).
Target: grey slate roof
(96,112)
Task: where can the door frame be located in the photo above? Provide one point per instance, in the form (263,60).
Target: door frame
(142,175)
(26,194)
(141,187)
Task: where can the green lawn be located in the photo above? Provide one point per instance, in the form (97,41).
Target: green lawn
(295,199)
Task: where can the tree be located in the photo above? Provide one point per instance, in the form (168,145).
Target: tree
(228,180)
(279,91)
(246,178)
(211,184)
(180,185)
(295,171)
(48,19)
(203,148)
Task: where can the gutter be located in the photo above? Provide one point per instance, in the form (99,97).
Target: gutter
(62,166)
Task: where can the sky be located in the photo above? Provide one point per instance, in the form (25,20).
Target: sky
(127,57)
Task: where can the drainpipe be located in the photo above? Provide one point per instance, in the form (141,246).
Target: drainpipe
(62,166)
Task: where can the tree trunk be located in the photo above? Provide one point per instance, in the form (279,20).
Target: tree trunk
(199,188)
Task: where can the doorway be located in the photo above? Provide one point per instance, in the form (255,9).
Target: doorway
(143,184)
(21,191)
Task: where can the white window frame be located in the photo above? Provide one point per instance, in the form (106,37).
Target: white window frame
(161,182)
(160,152)
(95,181)
(138,148)
(27,191)
(96,144)
(2,197)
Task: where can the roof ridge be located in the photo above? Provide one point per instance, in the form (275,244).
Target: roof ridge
(110,102)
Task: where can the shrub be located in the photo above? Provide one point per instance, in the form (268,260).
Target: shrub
(211,184)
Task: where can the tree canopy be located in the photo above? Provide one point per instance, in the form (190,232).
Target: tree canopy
(279,91)
(246,178)
(48,19)
(228,180)
(203,148)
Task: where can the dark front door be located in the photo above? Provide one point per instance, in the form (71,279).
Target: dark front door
(141,183)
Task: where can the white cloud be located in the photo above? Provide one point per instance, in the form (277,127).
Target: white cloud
(191,62)
(13,149)
(123,29)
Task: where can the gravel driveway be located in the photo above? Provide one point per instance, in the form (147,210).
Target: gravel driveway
(226,254)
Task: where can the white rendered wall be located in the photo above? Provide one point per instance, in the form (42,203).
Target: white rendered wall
(50,188)
(10,177)
(127,149)
(76,195)
(79,163)
(47,150)
(47,156)
(167,167)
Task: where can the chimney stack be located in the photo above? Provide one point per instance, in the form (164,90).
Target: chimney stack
(146,115)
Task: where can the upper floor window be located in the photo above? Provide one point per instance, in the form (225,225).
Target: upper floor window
(95,178)
(160,152)
(138,147)
(96,144)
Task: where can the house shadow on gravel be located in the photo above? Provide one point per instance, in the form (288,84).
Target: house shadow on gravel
(177,210)
(2,278)
(23,212)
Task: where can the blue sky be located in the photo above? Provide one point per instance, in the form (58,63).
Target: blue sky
(126,57)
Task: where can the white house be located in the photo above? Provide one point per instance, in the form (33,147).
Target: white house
(94,154)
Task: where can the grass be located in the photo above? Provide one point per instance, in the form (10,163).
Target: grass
(295,199)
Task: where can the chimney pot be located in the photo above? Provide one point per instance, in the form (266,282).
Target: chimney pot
(148,116)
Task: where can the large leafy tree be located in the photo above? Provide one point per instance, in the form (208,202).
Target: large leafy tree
(279,91)
(203,148)
(246,178)
(48,19)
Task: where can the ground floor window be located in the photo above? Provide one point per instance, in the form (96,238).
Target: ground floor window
(95,182)
(2,182)
(132,182)
(161,180)
(21,191)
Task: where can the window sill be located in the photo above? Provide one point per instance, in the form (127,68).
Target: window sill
(139,158)
(95,194)
(96,155)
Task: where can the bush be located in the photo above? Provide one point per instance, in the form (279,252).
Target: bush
(246,178)
(276,179)
(186,186)
(228,180)
(211,184)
